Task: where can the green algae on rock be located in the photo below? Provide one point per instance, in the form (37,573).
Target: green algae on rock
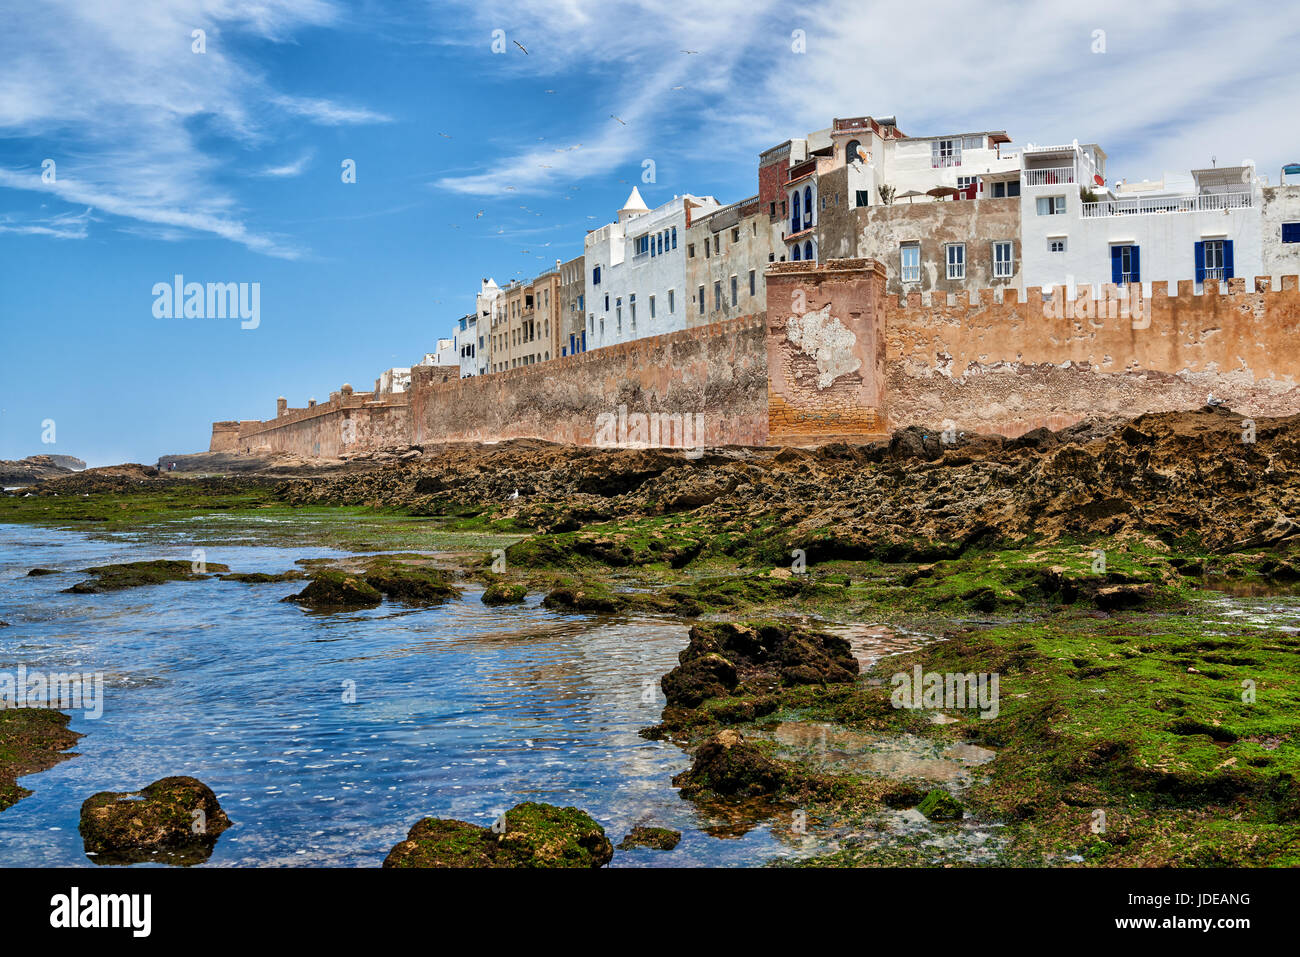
(332,590)
(529,835)
(728,766)
(504,593)
(31,740)
(655,838)
(175,820)
(135,574)
(264,578)
(939,805)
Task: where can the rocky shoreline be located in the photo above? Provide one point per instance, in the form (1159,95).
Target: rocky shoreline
(1073,566)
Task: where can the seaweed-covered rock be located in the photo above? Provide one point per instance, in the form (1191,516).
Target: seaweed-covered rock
(135,574)
(31,740)
(939,805)
(728,766)
(37,572)
(533,835)
(176,820)
(264,578)
(504,593)
(412,584)
(655,838)
(580,598)
(761,655)
(332,590)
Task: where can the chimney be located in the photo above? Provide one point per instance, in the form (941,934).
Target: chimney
(281,406)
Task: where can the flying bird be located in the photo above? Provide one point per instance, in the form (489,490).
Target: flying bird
(613,117)
(445,136)
(479,214)
(521,46)
(690,51)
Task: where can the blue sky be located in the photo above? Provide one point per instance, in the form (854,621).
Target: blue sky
(225,166)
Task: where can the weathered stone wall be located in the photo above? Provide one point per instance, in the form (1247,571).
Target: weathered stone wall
(348,422)
(718,371)
(225,437)
(825,351)
(1012,366)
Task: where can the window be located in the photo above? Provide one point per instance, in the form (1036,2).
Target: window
(807,207)
(956,260)
(618,313)
(706,247)
(945,153)
(734,296)
(661,244)
(595,277)
(796,217)
(701,300)
(965,182)
(717,294)
(631,306)
(690,250)
(751,282)
(717,245)
(1124,267)
(862,197)
(1051,205)
(1003,261)
(808,251)
(671,297)
(972,142)
(674,237)
(910,261)
(1214,260)
(607,302)
(735,235)
(1056,245)
(794,253)
(851,151)
(652,307)
(1291,232)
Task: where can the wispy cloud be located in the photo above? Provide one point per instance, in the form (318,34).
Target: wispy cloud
(135,119)
(62,226)
(288,170)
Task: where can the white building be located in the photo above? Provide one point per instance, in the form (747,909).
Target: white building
(393,380)
(445,356)
(481,358)
(1075,229)
(636,270)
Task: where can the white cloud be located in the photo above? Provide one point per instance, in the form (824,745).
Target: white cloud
(288,170)
(115,94)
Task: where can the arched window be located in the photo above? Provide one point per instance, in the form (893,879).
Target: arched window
(795,216)
(808,251)
(808,206)
(851,151)
(794,253)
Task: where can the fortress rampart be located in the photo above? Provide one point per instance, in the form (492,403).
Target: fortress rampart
(834,358)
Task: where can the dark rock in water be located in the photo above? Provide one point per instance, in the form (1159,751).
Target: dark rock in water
(503,593)
(331,590)
(655,838)
(135,574)
(723,655)
(412,584)
(175,820)
(36,572)
(4,624)
(699,679)
(263,578)
(533,835)
(939,805)
(728,766)
(31,740)
(566,598)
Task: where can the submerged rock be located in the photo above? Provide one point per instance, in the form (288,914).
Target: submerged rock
(503,593)
(331,590)
(36,572)
(263,578)
(939,805)
(532,835)
(175,820)
(655,838)
(409,583)
(31,740)
(135,574)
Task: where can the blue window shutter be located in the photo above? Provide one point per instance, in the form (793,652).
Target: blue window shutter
(1227,259)
(1134,266)
(1200,262)
(1116,264)
(1291,232)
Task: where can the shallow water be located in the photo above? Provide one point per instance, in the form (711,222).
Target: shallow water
(461,710)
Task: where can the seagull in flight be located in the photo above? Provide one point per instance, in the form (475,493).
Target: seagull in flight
(613,117)
(521,46)
(445,136)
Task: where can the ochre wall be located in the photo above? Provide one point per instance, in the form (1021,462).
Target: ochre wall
(937,361)
(718,371)
(1016,365)
(827,385)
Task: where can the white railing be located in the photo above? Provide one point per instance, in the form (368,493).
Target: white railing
(1053,176)
(1201,203)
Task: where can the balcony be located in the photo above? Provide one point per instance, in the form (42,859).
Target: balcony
(1052,176)
(1201,203)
